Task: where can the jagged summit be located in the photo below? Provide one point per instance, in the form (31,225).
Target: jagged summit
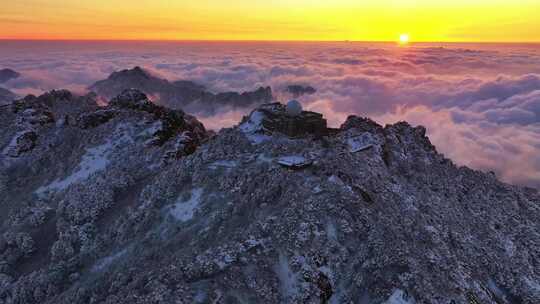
(99,207)
(187,95)
(135,72)
(8,74)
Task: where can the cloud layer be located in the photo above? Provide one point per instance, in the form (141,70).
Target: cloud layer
(480,103)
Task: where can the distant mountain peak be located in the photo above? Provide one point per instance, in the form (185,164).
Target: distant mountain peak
(135,72)
(184,94)
(8,74)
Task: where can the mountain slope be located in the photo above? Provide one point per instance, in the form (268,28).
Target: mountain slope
(8,74)
(6,96)
(134,203)
(186,95)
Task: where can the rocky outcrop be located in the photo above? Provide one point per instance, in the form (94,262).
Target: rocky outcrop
(186,95)
(257,213)
(173,122)
(96,118)
(8,74)
(273,117)
(22,142)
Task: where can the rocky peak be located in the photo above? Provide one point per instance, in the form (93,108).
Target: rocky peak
(133,99)
(174,122)
(122,80)
(135,73)
(273,117)
(360,123)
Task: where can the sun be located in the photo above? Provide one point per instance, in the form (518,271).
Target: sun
(404,38)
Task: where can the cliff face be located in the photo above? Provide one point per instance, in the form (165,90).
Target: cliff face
(135,203)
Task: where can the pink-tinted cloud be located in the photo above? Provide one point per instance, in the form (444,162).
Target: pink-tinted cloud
(480,103)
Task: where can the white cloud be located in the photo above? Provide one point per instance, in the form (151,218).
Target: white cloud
(481,103)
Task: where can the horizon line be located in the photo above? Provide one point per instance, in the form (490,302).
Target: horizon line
(254,40)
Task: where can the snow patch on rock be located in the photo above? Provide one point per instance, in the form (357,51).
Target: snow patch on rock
(294,161)
(534,285)
(152,129)
(106,262)
(361,142)
(253,128)
(226,164)
(287,278)
(331,231)
(184,211)
(399,297)
(94,160)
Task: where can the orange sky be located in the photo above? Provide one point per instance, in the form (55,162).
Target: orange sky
(382,20)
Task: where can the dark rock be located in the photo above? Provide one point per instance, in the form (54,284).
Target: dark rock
(187,95)
(361,124)
(174,122)
(190,85)
(94,119)
(277,120)
(8,74)
(44,101)
(261,95)
(222,221)
(135,100)
(299,90)
(23,142)
(185,144)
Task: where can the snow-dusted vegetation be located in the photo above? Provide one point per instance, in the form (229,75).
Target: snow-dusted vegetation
(141,204)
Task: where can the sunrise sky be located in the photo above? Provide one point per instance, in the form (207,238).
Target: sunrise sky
(382,20)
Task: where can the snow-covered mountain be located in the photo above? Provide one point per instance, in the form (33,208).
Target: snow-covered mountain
(136,203)
(189,96)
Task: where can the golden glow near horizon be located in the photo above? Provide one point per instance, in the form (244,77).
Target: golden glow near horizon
(383,20)
(404,38)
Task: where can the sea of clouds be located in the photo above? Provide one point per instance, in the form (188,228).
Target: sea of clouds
(480,103)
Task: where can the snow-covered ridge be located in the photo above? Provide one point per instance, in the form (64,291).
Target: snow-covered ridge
(140,204)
